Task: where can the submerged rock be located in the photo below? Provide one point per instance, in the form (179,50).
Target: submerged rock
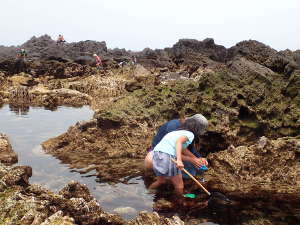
(154,218)
(125,210)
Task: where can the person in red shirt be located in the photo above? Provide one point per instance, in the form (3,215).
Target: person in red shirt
(60,39)
(98,60)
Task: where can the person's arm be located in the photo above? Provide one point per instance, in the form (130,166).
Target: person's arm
(178,145)
(190,157)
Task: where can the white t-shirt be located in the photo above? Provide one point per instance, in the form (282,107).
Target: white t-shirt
(168,143)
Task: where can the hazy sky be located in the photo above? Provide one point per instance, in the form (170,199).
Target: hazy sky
(136,24)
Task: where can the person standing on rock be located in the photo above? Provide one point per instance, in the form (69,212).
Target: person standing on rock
(22,54)
(134,61)
(174,146)
(193,161)
(98,60)
(60,39)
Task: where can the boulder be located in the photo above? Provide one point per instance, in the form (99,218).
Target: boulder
(7,155)
(260,53)
(154,58)
(190,50)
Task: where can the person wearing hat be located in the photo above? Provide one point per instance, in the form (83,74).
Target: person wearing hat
(98,60)
(22,54)
(174,146)
(191,158)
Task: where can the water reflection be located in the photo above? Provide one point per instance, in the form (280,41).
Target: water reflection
(19,109)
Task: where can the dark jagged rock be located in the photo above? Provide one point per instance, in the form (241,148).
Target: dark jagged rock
(45,68)
(185,52)
(154,58)
(264,55)
(44,48)
(192,51)
(13,66)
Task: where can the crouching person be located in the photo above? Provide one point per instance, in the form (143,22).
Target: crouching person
(174,146)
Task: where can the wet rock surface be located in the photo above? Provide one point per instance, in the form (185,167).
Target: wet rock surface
(249,93)
(7,155)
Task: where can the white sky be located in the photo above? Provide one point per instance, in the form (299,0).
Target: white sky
(136,24)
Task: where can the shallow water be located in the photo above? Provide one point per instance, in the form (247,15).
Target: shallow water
(27,128)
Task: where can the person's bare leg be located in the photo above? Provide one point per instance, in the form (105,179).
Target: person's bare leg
(178,184)
(148,160)
(160,180)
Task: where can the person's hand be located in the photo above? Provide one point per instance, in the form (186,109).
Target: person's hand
(198,162)
(203,161)
(179,165)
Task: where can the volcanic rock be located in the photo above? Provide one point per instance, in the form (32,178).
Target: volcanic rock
(264,55)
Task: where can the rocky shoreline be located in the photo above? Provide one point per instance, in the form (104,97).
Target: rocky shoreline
(249,93)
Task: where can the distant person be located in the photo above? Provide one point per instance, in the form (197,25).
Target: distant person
(22,54)
(60,39)
(134,61)
(122,64)
(98,60)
